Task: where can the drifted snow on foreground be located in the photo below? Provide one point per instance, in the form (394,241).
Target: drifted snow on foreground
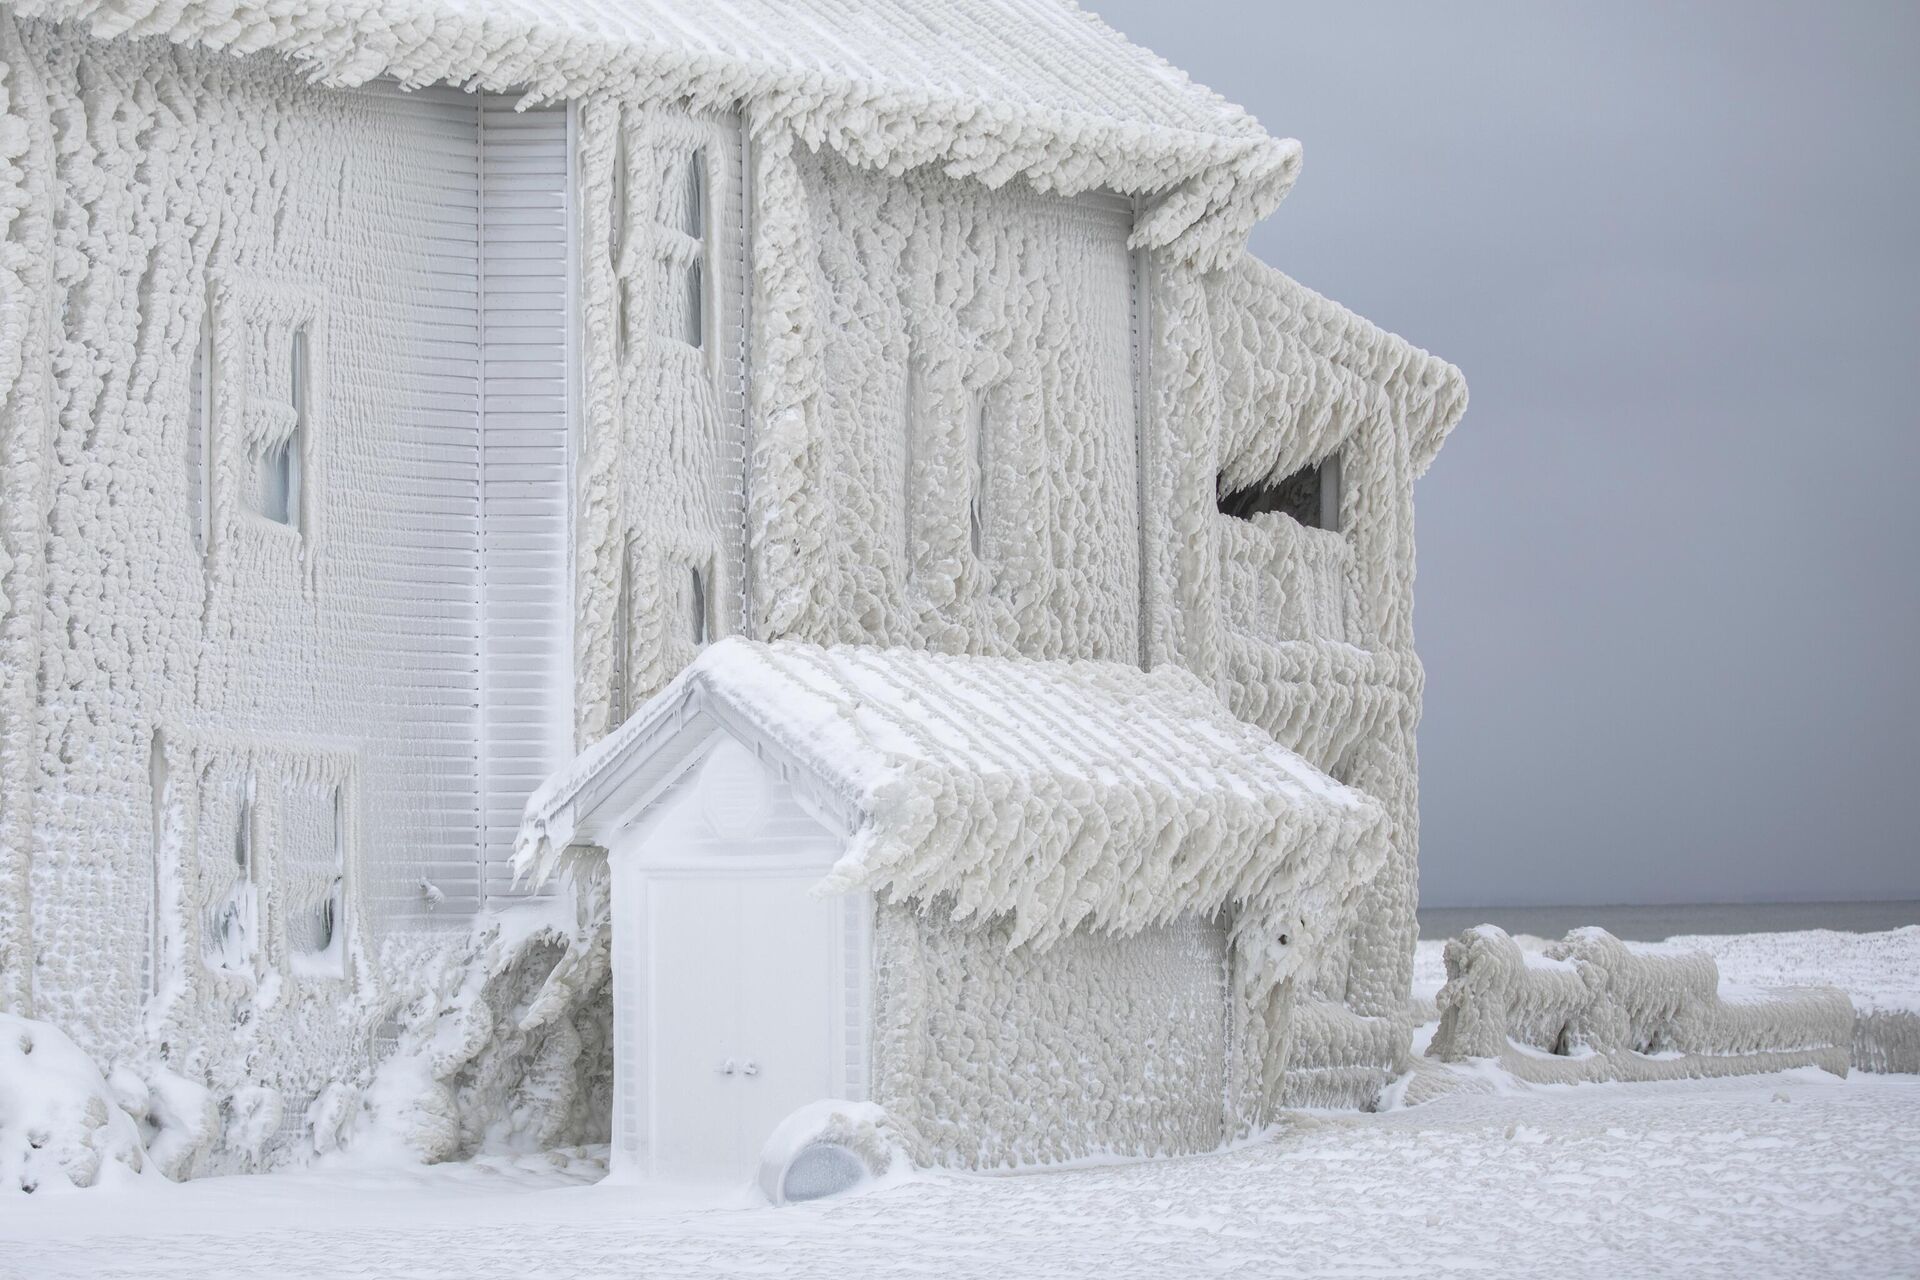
(1784,1175)
(1788,1174)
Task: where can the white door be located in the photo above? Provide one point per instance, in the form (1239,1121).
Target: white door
(741,986)
(785,1003)
(692,967)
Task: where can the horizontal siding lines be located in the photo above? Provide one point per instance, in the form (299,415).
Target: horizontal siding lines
(525,592)
(427,814)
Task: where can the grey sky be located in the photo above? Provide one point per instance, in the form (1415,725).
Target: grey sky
(1667,592)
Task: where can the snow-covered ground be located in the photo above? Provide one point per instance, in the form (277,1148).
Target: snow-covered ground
(1783,1175)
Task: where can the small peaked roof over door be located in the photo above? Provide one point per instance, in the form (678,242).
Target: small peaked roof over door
(1060,794)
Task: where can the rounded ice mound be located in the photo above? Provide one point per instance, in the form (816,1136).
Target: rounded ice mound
(59,1123)
(826,1149)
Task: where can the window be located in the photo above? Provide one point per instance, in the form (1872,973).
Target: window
(1310,495)
(982,462)
(695,333)
(199,438)
(617,201)
(278,492)
(695,224)
(232,917)
(312,878)
(683,254)
(162,802)
(700,612)
(616,240)
(262,403)
(622,642)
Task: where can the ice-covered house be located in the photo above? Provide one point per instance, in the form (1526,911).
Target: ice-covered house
(395,398)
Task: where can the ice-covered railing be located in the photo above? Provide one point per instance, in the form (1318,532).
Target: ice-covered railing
(1591,1008)
(1280,580)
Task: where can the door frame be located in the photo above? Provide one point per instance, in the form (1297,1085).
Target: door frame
(634,871)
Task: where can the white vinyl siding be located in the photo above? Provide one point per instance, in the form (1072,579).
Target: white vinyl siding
(423,813)
(526,300)
(479,563)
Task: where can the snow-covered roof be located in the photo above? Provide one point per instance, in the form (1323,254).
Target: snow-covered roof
(988,89)
(1305,372)
(1061,794)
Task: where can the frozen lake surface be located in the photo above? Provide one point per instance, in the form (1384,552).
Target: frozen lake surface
(1651,924)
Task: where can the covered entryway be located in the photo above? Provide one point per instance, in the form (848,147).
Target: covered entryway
(734,988)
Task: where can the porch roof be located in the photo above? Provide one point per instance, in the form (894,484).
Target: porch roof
(1061,794)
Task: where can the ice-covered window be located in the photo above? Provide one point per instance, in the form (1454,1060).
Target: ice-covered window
(230,925)
(616,242)
(162,802)
(982,472)
(311,878)
(695,222)
(280,450)
(199,463)
(617,201)
(699,607)
(622,643)
(695,333)
(1310,495)
(683,257)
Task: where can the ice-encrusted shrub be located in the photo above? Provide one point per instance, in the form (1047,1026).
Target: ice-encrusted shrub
(507,1042)
(60,1125)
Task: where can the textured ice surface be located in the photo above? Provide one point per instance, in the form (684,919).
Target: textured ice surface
(993,1057)
(1059,795)
(1876,970)
(224,738)
(1782,1176)
(504,1042)
(1306,634)
(1591,1008)
(1070,813)
(983,90)
(230,752)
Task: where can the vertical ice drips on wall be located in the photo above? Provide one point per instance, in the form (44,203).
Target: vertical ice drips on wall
(656,564)
(228,637)
(944,456)
(26,242)
(944,453)
(1308,632)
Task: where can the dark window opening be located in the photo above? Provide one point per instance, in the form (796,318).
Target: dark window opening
(280,460)
(1310,495)
(696,197)
(700,627)
(695,332)
(620,694)
(982,468)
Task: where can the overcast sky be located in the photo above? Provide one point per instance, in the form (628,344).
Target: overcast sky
(1667,591)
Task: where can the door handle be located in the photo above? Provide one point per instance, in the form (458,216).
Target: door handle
(751,1069)
(726,1067)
